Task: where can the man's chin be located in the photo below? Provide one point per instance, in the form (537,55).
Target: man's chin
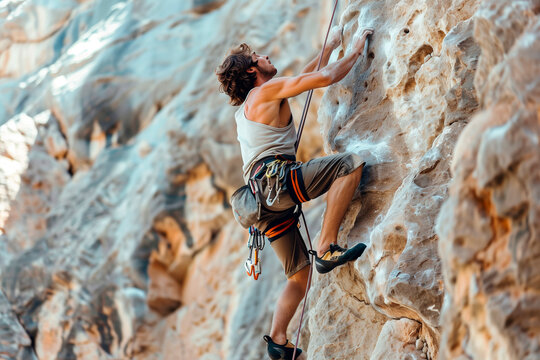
(270,74)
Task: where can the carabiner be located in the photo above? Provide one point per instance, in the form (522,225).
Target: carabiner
(272,168)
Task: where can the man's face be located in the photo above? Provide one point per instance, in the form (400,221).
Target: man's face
(264,65)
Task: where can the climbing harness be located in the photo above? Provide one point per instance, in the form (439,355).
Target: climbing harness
(274,169)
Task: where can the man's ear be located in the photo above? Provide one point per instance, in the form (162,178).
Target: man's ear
(251,69)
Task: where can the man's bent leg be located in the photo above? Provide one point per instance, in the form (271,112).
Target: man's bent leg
(287,304)
(339,175)
(338,200)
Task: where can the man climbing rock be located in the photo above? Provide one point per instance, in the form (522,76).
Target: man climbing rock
(267,138)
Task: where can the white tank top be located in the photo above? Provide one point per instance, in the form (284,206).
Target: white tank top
(259,140)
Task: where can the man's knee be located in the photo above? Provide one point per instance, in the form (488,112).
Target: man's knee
(352,165)
(355,175)
(300,278)
(358,171)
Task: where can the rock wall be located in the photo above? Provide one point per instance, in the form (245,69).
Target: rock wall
(118,156)
(432,68)
(489,227)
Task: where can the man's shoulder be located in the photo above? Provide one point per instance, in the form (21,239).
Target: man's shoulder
(275,81)
(266,92)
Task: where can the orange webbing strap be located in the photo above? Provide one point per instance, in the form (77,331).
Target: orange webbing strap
(296,186)
(280,227)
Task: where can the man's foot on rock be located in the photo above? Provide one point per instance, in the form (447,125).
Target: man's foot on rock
(336,256)
(281,352)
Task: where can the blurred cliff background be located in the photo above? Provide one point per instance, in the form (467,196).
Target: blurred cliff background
(118,156)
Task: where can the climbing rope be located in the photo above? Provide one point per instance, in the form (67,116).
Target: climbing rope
(307,288)
(297,143)
(310,92)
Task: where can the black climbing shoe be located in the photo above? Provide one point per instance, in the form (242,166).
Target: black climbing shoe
(281,352)
(337,256)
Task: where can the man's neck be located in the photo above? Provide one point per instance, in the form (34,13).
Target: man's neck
(261,80)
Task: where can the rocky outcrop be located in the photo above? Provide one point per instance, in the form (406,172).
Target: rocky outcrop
(490,224)
(14,341)
(118,156)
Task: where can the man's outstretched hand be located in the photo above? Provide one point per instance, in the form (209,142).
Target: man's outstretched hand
(336,37)
(360,41)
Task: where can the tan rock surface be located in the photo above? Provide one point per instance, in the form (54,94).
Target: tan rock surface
(489,226)
(398,341)
(118,156)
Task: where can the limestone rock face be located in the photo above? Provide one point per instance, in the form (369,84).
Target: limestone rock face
(15,342)
(490,224)
(118,156)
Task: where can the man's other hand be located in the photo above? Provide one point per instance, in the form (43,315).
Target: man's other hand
(336,37)
(359,41)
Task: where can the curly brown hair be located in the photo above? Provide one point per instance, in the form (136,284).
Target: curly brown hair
(233,76)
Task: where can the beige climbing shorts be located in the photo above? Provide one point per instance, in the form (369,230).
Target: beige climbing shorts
(303,182)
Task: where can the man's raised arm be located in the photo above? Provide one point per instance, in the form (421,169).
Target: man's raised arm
(334,39)
(286,87)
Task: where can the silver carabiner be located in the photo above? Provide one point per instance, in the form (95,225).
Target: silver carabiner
(269,201)
(247,266)
(282,171)
(272,168)
(276,197)
(258,267)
